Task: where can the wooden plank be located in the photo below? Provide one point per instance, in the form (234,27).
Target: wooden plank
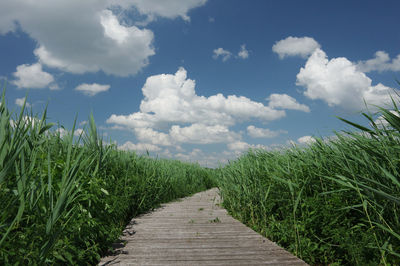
(195,231)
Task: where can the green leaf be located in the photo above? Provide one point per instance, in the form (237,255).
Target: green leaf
(104,191)
(358,126)
(390,176)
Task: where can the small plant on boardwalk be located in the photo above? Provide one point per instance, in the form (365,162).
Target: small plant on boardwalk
(215,220)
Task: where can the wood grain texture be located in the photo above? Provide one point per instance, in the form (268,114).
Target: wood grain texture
(195,231)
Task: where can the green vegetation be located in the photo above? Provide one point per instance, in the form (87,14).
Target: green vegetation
(65,200)
(215,220)
(333,202)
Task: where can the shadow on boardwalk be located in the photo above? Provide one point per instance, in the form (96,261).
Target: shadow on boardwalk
(195,231)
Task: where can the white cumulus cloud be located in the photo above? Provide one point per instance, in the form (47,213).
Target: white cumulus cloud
(212,159)
(238,146)
(380,63)
(92,89)
(338,82)
(286,102)
(241,146)
(166,8)
(171,113)
(104,44)
(32,77)
(306,140)
(152,136)
(202,134)
(141,147)
(171,99)
(256,132)
(86,36)
(113,29)
(294,46)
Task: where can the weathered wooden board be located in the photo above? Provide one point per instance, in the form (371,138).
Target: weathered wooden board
(195,231)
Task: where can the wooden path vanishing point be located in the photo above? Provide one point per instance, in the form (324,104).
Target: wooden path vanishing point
(195,231)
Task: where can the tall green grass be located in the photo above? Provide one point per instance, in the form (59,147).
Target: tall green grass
(333,202)
(65,200)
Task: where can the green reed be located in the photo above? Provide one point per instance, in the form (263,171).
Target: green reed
(333,202)
(66,199)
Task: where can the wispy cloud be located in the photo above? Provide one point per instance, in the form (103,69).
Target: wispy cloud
(221,52)
(243,53)
(20,102)
(255,132)
(381,62)
(286,102)
(92,89)
(225,55)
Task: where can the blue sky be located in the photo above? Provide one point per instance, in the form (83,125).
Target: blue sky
(201,80)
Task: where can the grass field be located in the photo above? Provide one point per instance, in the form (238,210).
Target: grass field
(333,202)
(64,200)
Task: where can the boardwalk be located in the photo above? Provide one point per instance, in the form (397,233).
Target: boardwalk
(195,231)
